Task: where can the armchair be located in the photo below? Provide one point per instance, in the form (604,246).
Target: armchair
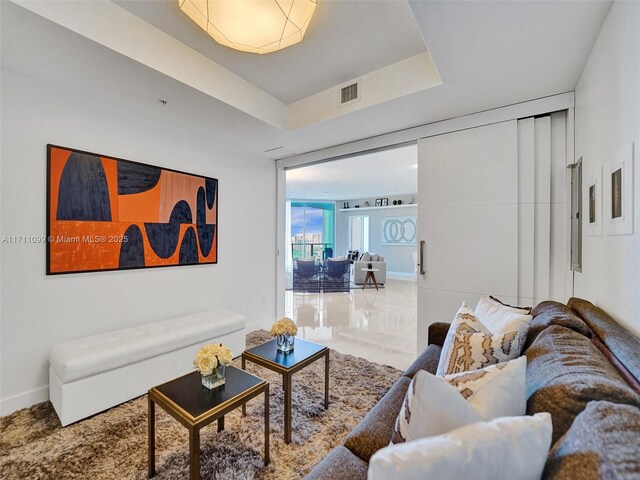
(335,276)
(306,275)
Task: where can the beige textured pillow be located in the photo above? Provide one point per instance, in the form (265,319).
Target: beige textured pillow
(470,345)
(434,405)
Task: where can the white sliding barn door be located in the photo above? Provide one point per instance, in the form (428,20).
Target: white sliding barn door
(479,217)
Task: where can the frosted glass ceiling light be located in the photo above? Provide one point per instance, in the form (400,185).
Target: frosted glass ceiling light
(255,26)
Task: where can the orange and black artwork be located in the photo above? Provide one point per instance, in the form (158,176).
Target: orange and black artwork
(105,213)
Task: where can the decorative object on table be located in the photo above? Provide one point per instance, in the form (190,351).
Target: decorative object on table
(618,192)
(378,202)
(412,201)
(285,331)
(369,266)
(395,202)
(366,204)
(357,206)
(105,213)
(399,202)
(398,231)
(385,202)
(211,361)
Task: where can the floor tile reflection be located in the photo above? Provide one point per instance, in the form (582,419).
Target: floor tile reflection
(377,325)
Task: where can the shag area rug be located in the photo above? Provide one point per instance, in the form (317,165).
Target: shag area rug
(113,444)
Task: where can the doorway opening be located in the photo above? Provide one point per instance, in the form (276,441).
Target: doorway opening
(344,218)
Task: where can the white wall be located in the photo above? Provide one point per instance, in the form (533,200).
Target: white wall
(38,311)
(607,121)
(398,257)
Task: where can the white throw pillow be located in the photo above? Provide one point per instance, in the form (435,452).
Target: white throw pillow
(470,345)
(500,318)
(435,405)
(507,448)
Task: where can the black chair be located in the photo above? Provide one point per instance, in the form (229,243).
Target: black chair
(306,276)
(335,276)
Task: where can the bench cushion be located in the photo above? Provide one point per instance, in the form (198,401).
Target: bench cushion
(90,356)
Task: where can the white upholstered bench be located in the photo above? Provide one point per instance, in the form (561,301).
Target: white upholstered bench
(91,374)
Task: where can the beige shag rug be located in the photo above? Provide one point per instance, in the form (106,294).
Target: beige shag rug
(113,444)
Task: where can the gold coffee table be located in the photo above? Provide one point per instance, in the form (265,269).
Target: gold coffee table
(304,353)
(195,406)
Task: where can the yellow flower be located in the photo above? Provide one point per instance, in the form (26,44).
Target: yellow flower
(284,326)
(225,356)
(210,356)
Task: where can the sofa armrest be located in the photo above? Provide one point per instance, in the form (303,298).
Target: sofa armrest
(437,333)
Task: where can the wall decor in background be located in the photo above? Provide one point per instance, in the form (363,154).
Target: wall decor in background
(398,231)
(105,213)
(618,192)
(592,198)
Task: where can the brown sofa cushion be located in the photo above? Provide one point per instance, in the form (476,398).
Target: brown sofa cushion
(603,442)
(339,464)
(427,360)
(550,313)
(437,333)
(565,371)
(375,430)
(622,344)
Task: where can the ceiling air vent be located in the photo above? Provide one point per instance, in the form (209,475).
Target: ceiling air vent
(349,93)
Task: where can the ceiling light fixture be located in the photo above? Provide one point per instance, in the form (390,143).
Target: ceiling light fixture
(254,26)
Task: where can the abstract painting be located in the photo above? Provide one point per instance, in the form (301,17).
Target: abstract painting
(105,213)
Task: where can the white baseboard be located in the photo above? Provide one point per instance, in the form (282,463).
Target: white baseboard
(23,400)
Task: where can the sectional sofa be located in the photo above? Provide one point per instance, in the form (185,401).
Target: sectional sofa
(582,367)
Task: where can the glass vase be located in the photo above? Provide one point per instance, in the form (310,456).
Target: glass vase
(285,343)
(215,378)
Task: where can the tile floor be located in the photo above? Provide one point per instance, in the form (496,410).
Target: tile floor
(379,326)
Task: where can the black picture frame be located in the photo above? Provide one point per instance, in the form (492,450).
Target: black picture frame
(385,202)
(378,202)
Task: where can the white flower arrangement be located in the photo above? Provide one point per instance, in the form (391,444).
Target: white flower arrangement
(284,326)
(210,356)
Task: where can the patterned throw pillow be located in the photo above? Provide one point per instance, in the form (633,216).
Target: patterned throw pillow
(470,345)
(434,405)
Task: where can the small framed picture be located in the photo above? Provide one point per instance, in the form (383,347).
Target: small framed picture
(385,202)
(593,200)
(378,202)
(618,192)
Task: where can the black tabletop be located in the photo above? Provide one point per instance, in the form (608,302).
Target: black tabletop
(189,394)
(302,350)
